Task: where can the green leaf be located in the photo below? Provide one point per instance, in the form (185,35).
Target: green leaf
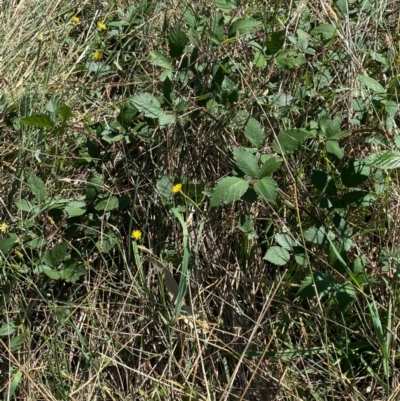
(246,162)
(359,198)
(324,284)
(288,59)
(228,190)
(56,256)
(24,205)
(326,30)
(270,166)
(107,204)
(277,255)
(275,42)
(75,208)
(345,295)
(177,41)
(317,235)
(36,243)
(386,160)
(286,241)
(245,223)
(14,384)
(73,272)
(52,106)
(372,84)
(107,242)
(94,188)
(39,120)
(147,104)
(267,188)
(7,329)
(323,182)
(338,257)
(166,119)
(160,59)
(259,59)
(36,186)
(164,186)
(6,244)
(354,173)
(254,132)
(226,5)
(334,148)
(49,272)
(65,112)
(17,341)
(243,26)
(126,115)
(289,141)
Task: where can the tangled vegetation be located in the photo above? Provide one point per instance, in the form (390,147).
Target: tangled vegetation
(199,200)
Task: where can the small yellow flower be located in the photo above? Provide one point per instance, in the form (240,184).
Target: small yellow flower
(75,19)
(98,55)
(136,235)
(102,26)
(4,227)
(177,188)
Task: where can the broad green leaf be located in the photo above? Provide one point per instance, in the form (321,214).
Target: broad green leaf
(290,58)
(107,204)
(165,119)
(75,208)
(57,254)
(14,384)
(226,5)
(107,242)
(243,26)
(227,190)
(52,106)
(94,188)
(36,186)
(65,112)
(254,132)
(126,115)
(49,272)
(259,59)
(354,173)
(286,241)
(164,186)
(72,272)
(345,294)
(36,243)
(160,59)
(6,244)
(385,160)
(177,41)
(7,329)
(245,223)
(289,141)
(324,284)
(275,42)
(17,341)
(147,104)
(359,198)
(371,83)
(267,188)
(317,235)
(334,148)
(246,161)
(277,255)
(326,30)
(24,205)
(323,182)
(270,166)
(39,120)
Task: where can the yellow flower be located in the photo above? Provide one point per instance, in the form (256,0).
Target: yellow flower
(98,55)
(177,188)
(136,234)
(102,26)
(75,19)
(4,227)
